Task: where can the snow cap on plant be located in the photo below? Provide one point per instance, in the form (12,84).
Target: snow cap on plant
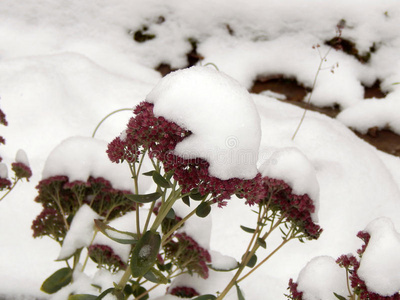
(4,181)
(291,185)
(73,177)
(380,258)
(3,121)
(21,166)
(204,126)
(319,279)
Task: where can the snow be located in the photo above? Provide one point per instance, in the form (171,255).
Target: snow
(65,65)
(196,227)
(321,278)
(293,167)
(80,233)
(381,260)
(222,262)
(22,157)
(82,157)
(219,112)
(3,170)
(125,223)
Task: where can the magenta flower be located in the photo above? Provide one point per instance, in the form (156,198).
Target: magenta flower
(4,183)
(21,170)
(106,257)
(3,118)
(188,255)
(296,208)
(183,292)
(159,137)
(58,194)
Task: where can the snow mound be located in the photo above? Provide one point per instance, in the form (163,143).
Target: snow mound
(80,233)
(292,166)
(3,170)
(322,277)
(81,157)
(22,157)
(380,263)
(221,115)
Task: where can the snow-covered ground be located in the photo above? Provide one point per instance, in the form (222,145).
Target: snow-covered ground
(64,65)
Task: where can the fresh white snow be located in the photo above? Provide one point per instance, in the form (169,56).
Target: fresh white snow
(78,158)
(219,112)
(65,65)
(293,167)
(321,278)
(3,170)
(381,260)
(80,233)
(22,157)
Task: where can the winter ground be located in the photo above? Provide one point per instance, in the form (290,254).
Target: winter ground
(65,65)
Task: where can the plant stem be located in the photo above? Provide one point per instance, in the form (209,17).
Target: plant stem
(87,255)
(176,226)
(10,189)
(265,259)
(106,117)
(124,279)
(322,60)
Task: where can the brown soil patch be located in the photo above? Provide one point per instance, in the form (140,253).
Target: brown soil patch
(383,139)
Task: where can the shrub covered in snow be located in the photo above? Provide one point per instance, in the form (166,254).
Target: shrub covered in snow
(20,167)
(373,275)
(192,163)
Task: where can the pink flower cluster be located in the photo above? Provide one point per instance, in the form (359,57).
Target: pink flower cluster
(158,136)
(5,183)
(188,255)
(184,292)
(61,199)
(21,170)
(3,121)
(296,208)
(351,264)
(104,256)
(49,223)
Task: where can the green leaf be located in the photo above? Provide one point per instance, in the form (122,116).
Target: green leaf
(139,291)
(144,254)
(149,173)
(161,181)
(103,228)
(339,297)
(156,276)
(205,297)
(262,243)
(57,280)
(169,174)
(223,270)
(105,293)
(167,267)
(252,262)
(171,214)
(82,297)
(186,200)
(247,229)
(203,209)
(195,195)
(239,292)
(144,198)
